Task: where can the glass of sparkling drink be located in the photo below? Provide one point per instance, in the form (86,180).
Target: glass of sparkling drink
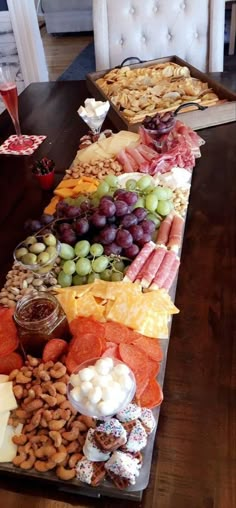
(8,93)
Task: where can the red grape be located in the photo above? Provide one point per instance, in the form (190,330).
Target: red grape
(73,211)
(129,197)
(107,235)
(121,208)
(81,226)
(107,208)
(140,213)
(129,220)
(64,226)
(148,226)
(136,232)
(85,205)
(132,251)
(46,218)
(119,192)
(68,236)
(124,238)
(99,221)
(112,248)
(145,238)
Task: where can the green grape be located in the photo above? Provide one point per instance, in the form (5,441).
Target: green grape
(151,216)
(144,182)
(169,192)
(118,265)
(95,201)
(116,276)
(106,274)
(131,184)
(69,267)
(100,264)
(67,252)
(80,200)
(83,266)
(79,280)
(151,202)
(149,189)
(140,203)
(64,279)
(81,248)
(163,208)
(96,249)
(161,193)
(112,180)
(92,276)
(102,189)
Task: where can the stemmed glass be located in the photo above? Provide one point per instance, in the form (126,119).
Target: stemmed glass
(8,92)
(94,113)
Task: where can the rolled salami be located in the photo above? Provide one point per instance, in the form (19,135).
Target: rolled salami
(164,270)
(152,265)
(164,230)
(138,262)
(175,234)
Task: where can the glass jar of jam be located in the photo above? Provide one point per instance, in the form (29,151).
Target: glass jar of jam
(39,319)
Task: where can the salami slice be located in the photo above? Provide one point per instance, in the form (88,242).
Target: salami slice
(54,349)
(86,348)
(171,275)
(117,333)
(152,267)
(8,333)
(139,261)
(112,351)
(164,270)
(150,346)
(82,325)
(10,362)
(71,362)
(164,230)
(137,361)
(175,234)
(152,396)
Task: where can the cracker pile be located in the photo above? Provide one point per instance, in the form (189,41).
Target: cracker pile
(154,89)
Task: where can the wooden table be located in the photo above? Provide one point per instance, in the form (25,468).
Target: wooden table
(194,461)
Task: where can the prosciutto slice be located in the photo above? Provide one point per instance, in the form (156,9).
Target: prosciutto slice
(175,233)
(152,266)
(138,262)
(171,275)
(164,230)
(164,270)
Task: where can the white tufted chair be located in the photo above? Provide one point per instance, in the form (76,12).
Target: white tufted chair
(149,29)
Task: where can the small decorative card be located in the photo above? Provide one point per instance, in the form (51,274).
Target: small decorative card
(12,147)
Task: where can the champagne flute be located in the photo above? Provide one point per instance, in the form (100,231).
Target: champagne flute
(8,92)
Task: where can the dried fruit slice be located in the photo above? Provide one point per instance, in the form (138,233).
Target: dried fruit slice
(152,396)
(10,362)
(54,349)
(8,333)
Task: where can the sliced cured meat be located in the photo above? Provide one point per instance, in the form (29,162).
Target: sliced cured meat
(71,362)
(145,266)
(139,261)
(128,163)
(175,233)
(171,275)
(112,351)
(152,396)
(8,333)
(83,324)
(54,349)
(149,271)
(136,155)
(137,361)
(164,270)
(117,333)
(86,347)
(10,362)
(164,230)
(150,346)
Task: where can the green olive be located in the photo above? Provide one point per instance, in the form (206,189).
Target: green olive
(37,247)
(30,240)
(43,258)
(52,251)
(19,253)
(29,259)
(50,240)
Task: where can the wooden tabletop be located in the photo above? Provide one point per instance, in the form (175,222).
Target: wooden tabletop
(194,460)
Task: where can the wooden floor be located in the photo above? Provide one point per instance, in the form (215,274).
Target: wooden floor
(61,50)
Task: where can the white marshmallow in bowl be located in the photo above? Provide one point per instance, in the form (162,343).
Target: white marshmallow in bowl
(104,366)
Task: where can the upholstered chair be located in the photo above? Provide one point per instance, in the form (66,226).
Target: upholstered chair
(149,29)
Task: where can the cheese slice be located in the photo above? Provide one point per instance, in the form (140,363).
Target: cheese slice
(4,416)
(7,398)
(3,378)
(8,450)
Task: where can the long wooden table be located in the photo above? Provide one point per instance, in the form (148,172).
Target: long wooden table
(194,460)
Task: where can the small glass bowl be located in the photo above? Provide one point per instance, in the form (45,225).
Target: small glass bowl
(40,269)
(85,407)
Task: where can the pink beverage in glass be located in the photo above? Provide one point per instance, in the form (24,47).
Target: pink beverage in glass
(9,95)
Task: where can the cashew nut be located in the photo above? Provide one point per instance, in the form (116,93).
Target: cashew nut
(19,459)
(56,437)
(74,459)
(51,401)
(45,451)
(43,466)
(65,474)
(58,370)
(21,439)
(60,387)
(33,405)
(18,391)
(33,362)
(56,424)
(88,420)
(71,435)
(21,378)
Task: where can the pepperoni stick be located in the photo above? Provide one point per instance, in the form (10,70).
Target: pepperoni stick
(171,276)
(164,230)
(138,262)
(164,270)
(175,233)
(150,269)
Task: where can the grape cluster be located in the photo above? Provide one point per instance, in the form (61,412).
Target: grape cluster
(33,225)
(86,262)
(157,200)
(161,124)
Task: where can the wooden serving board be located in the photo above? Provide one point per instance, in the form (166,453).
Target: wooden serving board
(196,119)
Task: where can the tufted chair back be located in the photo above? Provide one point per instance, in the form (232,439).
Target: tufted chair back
(149,29)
